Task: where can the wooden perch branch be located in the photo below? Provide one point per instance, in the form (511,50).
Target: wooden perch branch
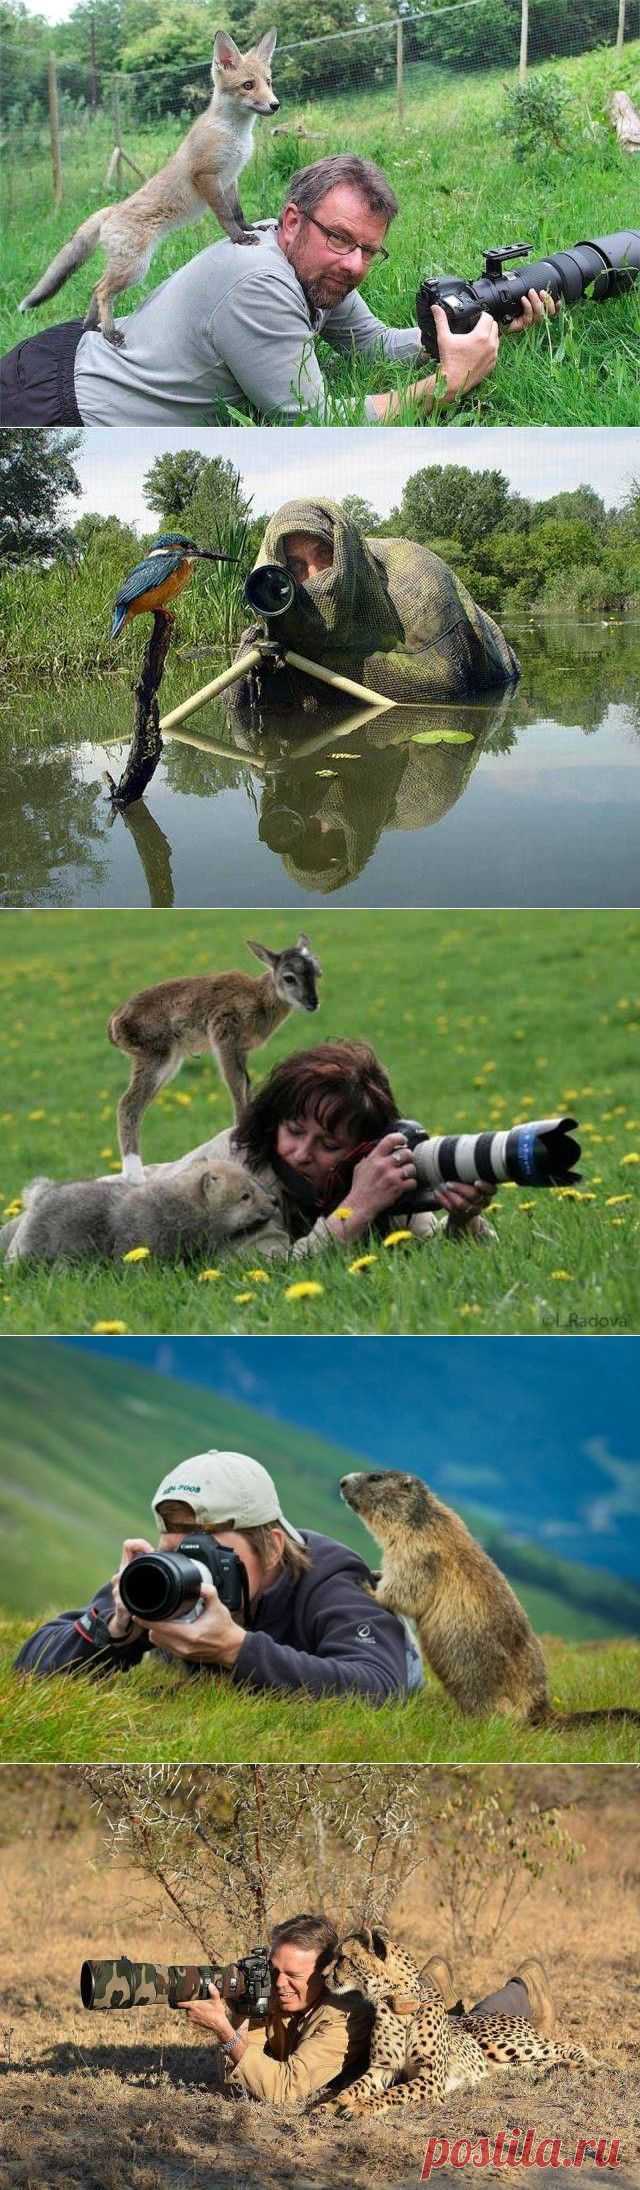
(146,744)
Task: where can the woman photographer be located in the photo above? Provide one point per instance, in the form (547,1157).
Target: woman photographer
(322,1133)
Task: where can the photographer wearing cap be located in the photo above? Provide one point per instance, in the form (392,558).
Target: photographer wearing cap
(310,2038)
(309,1627)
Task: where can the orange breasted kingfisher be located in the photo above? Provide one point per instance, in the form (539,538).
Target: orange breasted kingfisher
(163,573)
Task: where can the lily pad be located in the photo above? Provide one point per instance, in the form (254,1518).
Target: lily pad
(442,737)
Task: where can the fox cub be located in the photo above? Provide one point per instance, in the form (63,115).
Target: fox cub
(202,173)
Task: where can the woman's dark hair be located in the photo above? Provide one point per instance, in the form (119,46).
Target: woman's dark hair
(342,1084)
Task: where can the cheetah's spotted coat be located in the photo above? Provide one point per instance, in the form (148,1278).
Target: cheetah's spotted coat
(418,2052)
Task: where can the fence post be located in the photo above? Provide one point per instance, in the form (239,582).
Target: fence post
(524,41)
(400,68)
(620,32)
(54,131)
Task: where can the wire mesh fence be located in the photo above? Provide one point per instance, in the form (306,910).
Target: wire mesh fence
(144,112)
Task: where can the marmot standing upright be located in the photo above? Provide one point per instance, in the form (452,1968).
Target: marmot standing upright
(472,1629)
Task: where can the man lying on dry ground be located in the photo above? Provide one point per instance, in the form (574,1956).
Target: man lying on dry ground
(313,2040)
(309,1624)
(236,328)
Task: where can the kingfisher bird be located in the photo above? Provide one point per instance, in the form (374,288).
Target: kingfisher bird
(162,574)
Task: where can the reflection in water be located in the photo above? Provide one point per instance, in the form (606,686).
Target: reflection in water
(240,813)
(326,802)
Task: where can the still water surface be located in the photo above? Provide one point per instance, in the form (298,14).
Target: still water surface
(534,800)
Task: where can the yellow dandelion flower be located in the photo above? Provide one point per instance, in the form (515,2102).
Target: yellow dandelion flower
(207,1275)
(563,1276)
(13,1208)
(36,1115)
(363,1262)
(617,1221)
(633,1157)
(343,1214)
(242,1297)
(136,1254)
(105,1152)
(102,1330)
(258,1277)
(393,1238)
(526,1205)
(307,1289)
(470,1308)
(613,1200)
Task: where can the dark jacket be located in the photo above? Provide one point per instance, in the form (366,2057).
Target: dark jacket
(317,1632)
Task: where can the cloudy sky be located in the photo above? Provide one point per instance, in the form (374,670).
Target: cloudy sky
(274,464)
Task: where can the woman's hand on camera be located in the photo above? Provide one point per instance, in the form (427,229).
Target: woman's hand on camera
(213,1639)
(379,1180)
(463,1203)
(122,1625)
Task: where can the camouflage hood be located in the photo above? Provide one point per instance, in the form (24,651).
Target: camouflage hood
(388,612)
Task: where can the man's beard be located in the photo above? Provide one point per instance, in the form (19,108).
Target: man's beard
(323,294)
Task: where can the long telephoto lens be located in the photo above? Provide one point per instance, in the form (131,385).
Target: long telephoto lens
(542,1153)
(160,1584)
(119,1984)
(607,266)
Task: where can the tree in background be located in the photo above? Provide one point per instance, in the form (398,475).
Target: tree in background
(234,1849)
(93,531)
(170,484)
(447,501)
(37,476)
(360,513)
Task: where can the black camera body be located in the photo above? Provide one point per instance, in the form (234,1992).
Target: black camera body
(608,266)
(167,1585)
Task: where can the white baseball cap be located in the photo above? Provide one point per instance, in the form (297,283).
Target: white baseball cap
(226,1489)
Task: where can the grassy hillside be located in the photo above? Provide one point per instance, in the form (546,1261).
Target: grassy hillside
(480,1018)
(454,173)
(84,1441)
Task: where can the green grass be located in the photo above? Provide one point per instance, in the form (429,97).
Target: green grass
(481,1018)
(158,1715)
(455,175)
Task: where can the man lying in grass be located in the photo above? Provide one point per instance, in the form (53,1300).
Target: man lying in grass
(236,328)
(313,2041)
(307,1622)
(322,1134)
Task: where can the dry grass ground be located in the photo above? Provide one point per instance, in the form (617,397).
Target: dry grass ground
(103,2104)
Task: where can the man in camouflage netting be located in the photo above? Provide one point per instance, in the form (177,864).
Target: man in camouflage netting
(387,612)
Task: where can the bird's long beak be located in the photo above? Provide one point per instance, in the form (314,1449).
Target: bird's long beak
(214,555)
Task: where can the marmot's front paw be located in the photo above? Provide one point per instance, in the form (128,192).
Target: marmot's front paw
(244,235)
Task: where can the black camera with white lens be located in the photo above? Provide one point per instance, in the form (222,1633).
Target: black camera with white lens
(541,1153)
(167,1585)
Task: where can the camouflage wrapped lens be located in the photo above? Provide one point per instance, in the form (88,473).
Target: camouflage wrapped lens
(125,1984)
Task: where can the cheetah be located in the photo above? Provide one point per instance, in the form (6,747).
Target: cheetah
(419,2053)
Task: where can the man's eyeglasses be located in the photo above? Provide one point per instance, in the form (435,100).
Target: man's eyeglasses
(342,245)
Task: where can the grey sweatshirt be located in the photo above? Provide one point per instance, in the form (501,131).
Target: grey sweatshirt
(233,327)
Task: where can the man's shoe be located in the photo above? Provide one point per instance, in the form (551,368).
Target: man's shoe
(533,1974)
(441,1974)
